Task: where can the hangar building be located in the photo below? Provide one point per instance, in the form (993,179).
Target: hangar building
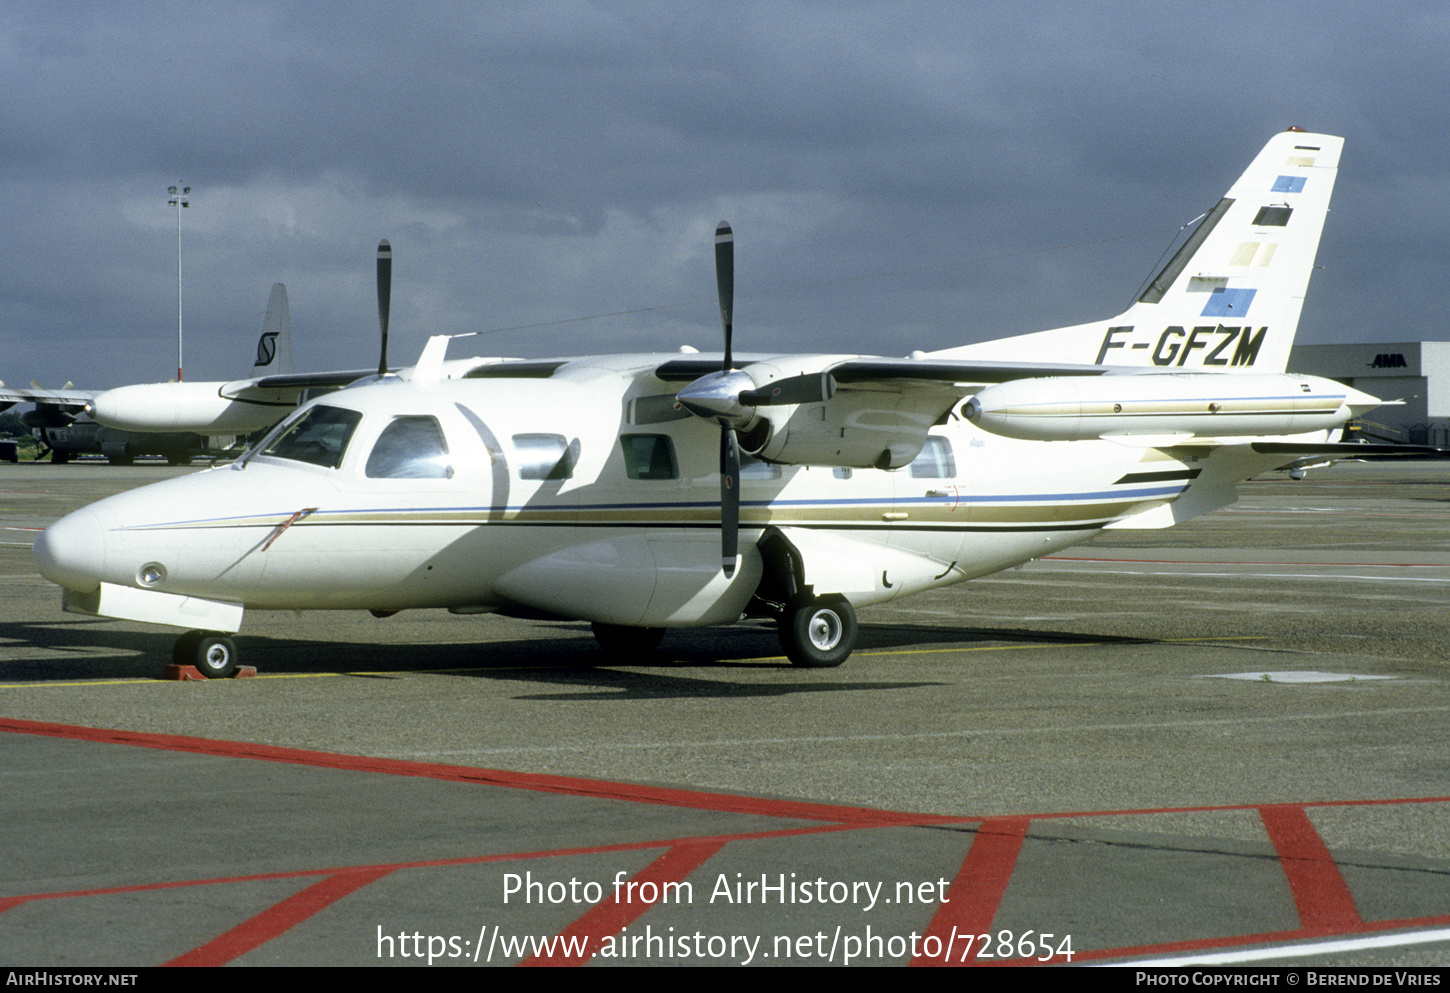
(1417,372)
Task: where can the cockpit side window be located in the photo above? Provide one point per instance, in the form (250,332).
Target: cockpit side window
(410,447)
(318,437)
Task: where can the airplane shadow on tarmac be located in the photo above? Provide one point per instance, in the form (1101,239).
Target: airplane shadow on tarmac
(87,650)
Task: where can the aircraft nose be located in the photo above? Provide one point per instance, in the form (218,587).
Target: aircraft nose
(72,552)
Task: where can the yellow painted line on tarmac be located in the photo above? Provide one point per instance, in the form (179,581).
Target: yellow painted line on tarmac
(1018,648)
(147,680)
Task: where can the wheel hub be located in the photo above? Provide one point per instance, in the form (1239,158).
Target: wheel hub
(825,630)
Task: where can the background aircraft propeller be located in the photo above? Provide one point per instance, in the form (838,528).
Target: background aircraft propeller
(385,295)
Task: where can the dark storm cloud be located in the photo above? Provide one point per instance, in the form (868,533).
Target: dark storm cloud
(1014,166)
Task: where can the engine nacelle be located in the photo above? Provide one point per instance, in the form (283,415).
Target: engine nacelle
(47,415)
(862,429)
(794,415)
(1204,405)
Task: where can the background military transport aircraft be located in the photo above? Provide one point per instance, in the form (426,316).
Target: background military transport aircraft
(242,406)
(74,422)
(642,492)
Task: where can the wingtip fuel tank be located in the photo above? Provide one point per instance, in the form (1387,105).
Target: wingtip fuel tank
(1201,405)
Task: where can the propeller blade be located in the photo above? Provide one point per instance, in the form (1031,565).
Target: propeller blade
(725,283)
(816,387)
(729,500)
(385,296)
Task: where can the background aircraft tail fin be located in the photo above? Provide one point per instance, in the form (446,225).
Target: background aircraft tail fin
(274,347)
(1229,299)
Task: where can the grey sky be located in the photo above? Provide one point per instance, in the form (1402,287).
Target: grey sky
(899,175)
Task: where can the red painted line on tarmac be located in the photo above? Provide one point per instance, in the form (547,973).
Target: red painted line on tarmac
(1324,902)
(278,919)
(972,900)
(6,903)
(611,916)
(568,785)
(1320,892)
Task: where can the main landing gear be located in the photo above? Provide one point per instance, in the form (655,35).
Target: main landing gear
(213,653)
(818,632)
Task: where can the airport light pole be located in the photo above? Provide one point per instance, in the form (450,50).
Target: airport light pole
(179,197)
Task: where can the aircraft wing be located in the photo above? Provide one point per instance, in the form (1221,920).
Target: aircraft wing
(65,398)
(878,372)
(869,411)
(867,372)
(836,410)
(292,382)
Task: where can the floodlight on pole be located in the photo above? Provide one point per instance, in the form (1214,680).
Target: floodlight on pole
(179,197)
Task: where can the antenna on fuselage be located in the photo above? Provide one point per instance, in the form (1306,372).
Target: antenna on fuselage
(385,295)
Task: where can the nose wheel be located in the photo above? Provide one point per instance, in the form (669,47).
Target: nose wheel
(818,632)
(214,654)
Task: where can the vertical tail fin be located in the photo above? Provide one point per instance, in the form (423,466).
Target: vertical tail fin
(274,347)
(1229,300)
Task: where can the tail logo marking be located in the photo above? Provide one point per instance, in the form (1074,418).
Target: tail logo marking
(266,348)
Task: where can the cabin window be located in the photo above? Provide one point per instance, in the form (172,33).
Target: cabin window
(319,437)
(649,456)
(410,448)
(935,460)
(543,456)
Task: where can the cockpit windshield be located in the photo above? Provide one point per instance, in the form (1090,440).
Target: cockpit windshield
(319,437)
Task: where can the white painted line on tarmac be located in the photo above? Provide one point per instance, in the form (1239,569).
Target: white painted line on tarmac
(923,736)
(1257,574)
(1400,940)
(1290,676)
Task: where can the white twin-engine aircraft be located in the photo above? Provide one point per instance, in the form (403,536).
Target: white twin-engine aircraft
(643,492)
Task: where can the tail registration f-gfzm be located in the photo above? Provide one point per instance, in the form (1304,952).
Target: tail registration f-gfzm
(644,492)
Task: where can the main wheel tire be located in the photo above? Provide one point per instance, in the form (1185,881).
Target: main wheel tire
(818,633)
(624,642)
(214,655)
